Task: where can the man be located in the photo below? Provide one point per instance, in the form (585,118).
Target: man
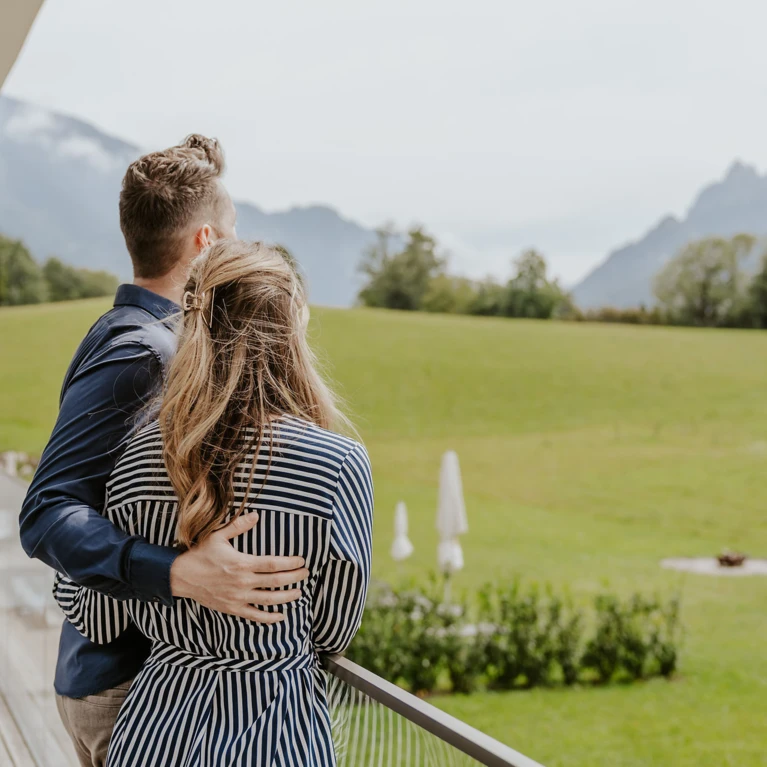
(172,205)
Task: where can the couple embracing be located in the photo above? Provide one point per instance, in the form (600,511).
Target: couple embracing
(210,531)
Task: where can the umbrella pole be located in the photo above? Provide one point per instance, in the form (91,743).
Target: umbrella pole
(446,593)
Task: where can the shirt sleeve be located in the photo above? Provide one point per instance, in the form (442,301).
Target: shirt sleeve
(343,583)
(96,616)
(60,520)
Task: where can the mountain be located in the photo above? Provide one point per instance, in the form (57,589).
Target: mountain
(59,183)
(60,179)
(736,204)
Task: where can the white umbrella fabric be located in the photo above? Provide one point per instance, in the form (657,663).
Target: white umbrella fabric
(451,515)
(401,547)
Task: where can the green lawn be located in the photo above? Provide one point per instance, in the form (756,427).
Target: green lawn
(589,452)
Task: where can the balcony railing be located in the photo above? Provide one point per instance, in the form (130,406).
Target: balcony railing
(377,723)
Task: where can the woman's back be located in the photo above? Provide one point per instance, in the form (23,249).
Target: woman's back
(314,500)
(313,493)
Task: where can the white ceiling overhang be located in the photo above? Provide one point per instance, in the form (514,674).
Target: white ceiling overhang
(16,17)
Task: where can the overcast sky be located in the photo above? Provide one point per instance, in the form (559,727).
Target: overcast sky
(572,125)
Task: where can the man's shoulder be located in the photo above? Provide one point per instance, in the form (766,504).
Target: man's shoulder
(129,329)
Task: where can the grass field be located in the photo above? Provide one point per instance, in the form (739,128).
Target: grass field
(589,452)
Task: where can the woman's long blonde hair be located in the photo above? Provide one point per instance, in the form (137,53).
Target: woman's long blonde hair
(242,361)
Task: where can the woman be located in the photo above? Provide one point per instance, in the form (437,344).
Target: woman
(243,426)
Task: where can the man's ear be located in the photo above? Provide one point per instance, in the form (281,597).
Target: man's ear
(204,237)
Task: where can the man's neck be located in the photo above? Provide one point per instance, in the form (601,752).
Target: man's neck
(169,286)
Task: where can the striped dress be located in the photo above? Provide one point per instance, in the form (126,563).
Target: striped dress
(219,690)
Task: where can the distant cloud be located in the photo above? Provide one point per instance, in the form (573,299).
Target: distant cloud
(90,150)
(30,123)
(33,124)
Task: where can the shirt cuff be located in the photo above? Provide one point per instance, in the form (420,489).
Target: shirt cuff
(150,572)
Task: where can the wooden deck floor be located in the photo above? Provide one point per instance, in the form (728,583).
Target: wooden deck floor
(13,747)
(31,734)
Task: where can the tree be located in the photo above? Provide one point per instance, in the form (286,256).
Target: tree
(293,262)
(489,299)
(97,283)
(531,270)
(401,280)
(21,279)
(530,293)
(705,284)
(67,283)
(449,295)
(757,296)
(63,281)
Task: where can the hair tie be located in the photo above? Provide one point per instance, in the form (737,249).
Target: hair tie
(192,302)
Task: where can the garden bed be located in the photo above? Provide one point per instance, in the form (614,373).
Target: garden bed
(511,636)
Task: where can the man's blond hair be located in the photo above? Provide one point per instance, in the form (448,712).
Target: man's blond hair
(163,195)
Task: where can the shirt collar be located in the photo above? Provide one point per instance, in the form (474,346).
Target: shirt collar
(158,306)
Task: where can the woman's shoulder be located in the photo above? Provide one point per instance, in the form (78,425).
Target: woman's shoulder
(295,434)
(339,464)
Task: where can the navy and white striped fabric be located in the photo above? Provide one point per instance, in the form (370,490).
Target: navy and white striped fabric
(219,690)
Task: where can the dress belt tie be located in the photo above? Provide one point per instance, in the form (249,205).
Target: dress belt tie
(174,656)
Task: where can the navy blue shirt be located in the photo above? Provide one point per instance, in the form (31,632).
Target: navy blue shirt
(114,373)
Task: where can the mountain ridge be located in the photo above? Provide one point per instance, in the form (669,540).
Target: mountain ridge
(735,204)
(59,184)
(60,179)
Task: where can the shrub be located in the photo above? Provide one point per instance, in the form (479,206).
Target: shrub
(404,637)
(534,639)
(635,639)
(631,316)
(665,637)
(568,641)
(488,299)
(603,649)
(512,637)
(449,295)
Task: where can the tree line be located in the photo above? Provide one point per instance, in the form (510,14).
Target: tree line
(706,284)
(24,281)
(414,277)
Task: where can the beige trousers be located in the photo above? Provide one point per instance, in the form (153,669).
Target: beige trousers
(90,720)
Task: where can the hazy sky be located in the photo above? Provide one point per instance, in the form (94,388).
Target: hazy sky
(572,125)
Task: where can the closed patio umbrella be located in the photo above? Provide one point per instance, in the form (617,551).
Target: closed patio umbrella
(401,547)
(451,518)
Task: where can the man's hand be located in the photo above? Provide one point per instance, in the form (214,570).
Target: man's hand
(219,577)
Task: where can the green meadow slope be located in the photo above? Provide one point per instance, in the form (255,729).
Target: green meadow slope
(589,452)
